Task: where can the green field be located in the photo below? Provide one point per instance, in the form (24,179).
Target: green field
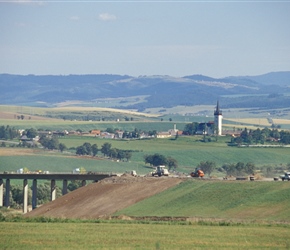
(87,126)
(222,215)
(228,200)
(128,235)
(188,151)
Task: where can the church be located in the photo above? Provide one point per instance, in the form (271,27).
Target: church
(212,127)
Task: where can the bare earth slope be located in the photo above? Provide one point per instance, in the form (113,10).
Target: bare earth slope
(99,200)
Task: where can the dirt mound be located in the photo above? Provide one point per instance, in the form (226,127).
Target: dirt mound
(102,199)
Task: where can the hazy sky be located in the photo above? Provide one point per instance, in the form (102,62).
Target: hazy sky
(177,38)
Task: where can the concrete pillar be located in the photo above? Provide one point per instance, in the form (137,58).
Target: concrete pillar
(84,183)
(64,187)
(34,194)
(7,196)
(53,190)
(25,195)
(1,193)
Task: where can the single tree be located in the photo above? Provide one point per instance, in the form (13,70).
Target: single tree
(156,159)
(172,163)
(240,167)
(113,153)
(250,168)
(31,133)
(121,154)
(81,150)
(207,167)
(128,155)
(106,147)
(61,147)
(88,148)
(94,149)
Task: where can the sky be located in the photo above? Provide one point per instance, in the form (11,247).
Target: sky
(175,38)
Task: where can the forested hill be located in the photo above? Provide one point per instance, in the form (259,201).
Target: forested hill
(161,91)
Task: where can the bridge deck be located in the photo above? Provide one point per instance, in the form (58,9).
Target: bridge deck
(56,176)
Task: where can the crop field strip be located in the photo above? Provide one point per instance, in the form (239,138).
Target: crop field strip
(146,235)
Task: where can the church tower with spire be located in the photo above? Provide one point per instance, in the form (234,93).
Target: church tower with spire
(218,119)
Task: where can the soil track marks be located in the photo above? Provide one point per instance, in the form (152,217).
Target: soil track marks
(102,199)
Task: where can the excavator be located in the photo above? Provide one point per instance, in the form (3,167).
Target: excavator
(197,173)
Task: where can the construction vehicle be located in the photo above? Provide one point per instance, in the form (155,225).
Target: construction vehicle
(133,173)
(197,173)
(160,170)
(285,177)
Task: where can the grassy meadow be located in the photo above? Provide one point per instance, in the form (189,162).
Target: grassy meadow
(227,200)
(146,235)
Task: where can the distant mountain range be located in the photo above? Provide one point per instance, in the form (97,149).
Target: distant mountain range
(161,91)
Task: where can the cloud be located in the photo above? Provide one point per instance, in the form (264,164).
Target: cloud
(32,2)
(20,24)
(74,18)
(107,17)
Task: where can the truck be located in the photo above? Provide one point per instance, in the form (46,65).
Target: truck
(197,173)
(285,177)
(133,173)
(160,170)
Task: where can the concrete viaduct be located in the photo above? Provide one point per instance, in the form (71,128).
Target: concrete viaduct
(34,177)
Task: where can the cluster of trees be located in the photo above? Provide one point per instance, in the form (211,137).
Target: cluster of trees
(115,153)
(261,136)
(231,169)
(52,143)
(87,149)
(192,128)
(21,117)
(106,150)
(158,159)
(239,168)
(8,133)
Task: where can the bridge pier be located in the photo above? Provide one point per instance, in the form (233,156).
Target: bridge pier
(53,190)
(84,182)
(64,187)
(1,192)
(34,194)
(7,196)
(25,196)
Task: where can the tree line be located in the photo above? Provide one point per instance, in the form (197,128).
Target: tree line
(231,169)
(249,136)
(106,150)
(8,133)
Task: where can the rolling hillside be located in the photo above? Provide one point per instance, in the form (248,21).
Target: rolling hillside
(160,91)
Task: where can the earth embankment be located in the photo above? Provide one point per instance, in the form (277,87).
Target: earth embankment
(102,199)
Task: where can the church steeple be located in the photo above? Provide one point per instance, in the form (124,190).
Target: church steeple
(218,117)
(217,111)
